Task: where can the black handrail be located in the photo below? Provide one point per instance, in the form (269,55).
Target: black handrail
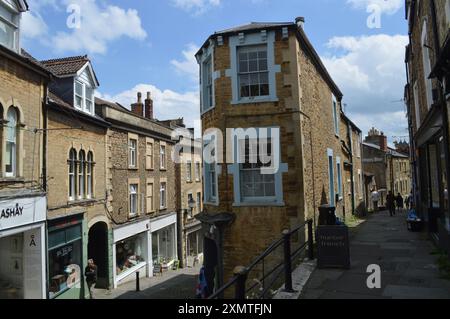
(241,274)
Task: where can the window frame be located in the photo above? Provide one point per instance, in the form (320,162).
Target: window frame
(163,195)
(189,171)
(335,106)
(73,176)
(90,175)
(340,191)
(162,157)
(133,193)
(149,163)
(207,84)
(81,175)
(259,72)
(12,131)
(81,107)
(13,25)
(150,197)
(197,171)
(332,190)
(132,153)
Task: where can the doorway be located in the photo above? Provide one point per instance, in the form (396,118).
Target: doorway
(98,251)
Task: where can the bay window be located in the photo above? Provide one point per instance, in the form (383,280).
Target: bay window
(11,143)
(254,184)
(253,73)
(207,85)
(9,28)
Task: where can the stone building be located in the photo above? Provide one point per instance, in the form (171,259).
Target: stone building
(353,194)
(264,84)
(79,227)
(23,90)
(390,168)
(141,184)
(427,96)
(189,190)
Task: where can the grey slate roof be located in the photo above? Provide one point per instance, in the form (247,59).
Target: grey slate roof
(66,66)
(254,26)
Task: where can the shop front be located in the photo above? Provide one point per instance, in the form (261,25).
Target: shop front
(164,241)
(194,245)
(131,251)
(22,248)
(66,258)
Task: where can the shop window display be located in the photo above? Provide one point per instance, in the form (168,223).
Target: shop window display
(129,253)
(65,260)
(164,246)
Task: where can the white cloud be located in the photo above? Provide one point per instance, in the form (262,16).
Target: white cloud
(100,25)
(195,6)
(168,104)
(371,73)
(188,66)
(33,25)
(385,6)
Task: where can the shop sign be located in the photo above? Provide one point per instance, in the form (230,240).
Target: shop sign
(22,211)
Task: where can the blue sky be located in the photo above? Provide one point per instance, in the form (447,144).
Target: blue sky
(149,45)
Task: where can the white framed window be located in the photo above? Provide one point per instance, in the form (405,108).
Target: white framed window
(162,156)
(417,105)
(79,95)
(89,106)
(134,188)
(163,195)
(255,186)
(189,171)
(335,115)
(133,152)
(9,28)
(81,174)
(149,197)
(11,143)
(207,83)
(253,72)
(199,203)
(427,64)
(197,171)
(332,191)
(72,174)
(339,177)
(149,155)
(89,175)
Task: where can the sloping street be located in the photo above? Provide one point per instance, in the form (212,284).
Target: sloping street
(407,260)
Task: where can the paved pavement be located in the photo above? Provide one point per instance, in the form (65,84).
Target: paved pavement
(179,284)
(409,269)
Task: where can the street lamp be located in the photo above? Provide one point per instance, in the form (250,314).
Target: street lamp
(191,204)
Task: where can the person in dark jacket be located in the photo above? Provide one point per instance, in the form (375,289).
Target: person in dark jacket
(91,276)
(400,202)
(390,203)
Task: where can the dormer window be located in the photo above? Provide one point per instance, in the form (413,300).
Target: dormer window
(9,28)
(84,97)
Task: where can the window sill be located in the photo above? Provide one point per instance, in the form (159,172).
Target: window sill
(208,110)
(259,204)
(133,168)
(163,169)
(215,203)
(81,201)
(255,100)
(12,179)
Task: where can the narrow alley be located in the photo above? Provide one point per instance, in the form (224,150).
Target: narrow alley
(408,263)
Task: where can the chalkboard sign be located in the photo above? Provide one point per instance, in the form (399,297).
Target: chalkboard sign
(333,247)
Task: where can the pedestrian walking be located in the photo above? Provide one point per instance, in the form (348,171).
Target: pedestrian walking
(375,196)
(400,203)
(91,276)
(390,202)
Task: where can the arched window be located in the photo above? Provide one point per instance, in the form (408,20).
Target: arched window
(81,174)
(89,174)
(72,174)
(11,143)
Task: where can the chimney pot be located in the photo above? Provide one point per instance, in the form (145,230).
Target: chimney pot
(300,21)
(139,96)
(148,111)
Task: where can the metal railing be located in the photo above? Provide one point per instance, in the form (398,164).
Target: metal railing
(257,280)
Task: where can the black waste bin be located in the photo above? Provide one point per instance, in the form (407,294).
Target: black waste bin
(327,215)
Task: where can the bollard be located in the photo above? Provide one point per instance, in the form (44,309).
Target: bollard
(138,286)
(241,273)
(287,262)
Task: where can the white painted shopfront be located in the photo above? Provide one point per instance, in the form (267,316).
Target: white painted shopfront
(22,248)
(139,246)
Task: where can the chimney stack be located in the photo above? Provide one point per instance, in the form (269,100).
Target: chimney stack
(138,108)
(300,22)
(149,106)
